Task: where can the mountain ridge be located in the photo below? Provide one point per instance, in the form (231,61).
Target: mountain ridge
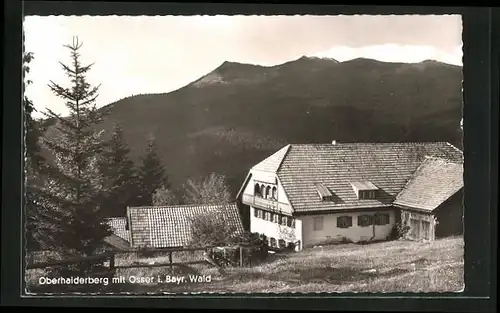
(242,113)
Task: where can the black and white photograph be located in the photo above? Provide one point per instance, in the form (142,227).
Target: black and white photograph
(256,154)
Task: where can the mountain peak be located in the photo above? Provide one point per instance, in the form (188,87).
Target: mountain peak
(316,58)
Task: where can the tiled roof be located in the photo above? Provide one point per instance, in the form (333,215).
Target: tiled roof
(273,162)
(117,243)
(117,225)
(433,182)
(170,226)
(386,165)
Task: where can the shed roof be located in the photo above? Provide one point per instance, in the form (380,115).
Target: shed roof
(433,182)
(170,226)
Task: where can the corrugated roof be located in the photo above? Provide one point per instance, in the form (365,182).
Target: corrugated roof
(387,165)
(433,182)
(170,226)
(118,228)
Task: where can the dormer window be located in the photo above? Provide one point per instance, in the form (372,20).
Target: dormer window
(364,190)
(367,194)
(324,193)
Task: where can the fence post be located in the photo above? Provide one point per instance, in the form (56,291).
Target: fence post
(170,261)
(241,256)
(112,262)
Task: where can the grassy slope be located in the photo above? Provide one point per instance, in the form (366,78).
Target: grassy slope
(237,115)
(397,266)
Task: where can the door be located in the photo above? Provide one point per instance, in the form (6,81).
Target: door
(414,229)
(426,226)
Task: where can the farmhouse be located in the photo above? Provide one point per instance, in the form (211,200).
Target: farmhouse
(310,194)
(170,226)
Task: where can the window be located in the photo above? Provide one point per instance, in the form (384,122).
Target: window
(257,190)
(256,212)
(260,213)
(382,219)
(284,220)
(292,222)
(344,221)
(275,196)
(364,220)
(365,189)
(268,192)
(367,194)
(318,223)
(275,218)
(268,216)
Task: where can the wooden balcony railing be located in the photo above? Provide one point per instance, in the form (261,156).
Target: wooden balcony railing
(266,204)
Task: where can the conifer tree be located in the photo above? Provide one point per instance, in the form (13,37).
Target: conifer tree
(152,174)
(32,165)
(75,182)
(38,227)
(119,174)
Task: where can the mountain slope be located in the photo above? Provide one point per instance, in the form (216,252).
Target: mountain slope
(231,118)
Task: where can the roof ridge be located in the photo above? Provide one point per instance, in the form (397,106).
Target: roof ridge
(288,146)
(449,144)
(373,143)
(410,177)
(440,158)
(180,205)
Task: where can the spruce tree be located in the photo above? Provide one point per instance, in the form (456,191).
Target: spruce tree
(75,181)
(119,174)
(38,222)
(33,163)
(152,175)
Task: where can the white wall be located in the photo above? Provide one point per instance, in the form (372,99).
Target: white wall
(262,176)
(274,230)
(331,233)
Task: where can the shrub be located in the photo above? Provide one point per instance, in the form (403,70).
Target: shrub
(399,230)
(210,228)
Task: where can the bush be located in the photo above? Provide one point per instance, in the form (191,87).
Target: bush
(212,229)
(255,249)
(399,230)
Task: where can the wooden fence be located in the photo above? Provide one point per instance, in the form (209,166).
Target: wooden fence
(112,254)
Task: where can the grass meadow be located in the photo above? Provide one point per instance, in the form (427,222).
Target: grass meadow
(394,266)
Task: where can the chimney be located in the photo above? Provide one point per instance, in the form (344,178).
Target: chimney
(334,142)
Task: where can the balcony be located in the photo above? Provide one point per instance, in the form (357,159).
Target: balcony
(265,204)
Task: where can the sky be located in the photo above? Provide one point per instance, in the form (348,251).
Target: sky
(158,54)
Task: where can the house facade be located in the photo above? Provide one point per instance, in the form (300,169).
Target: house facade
(311,194)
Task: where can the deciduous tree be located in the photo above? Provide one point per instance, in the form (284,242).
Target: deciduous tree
(212,190)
